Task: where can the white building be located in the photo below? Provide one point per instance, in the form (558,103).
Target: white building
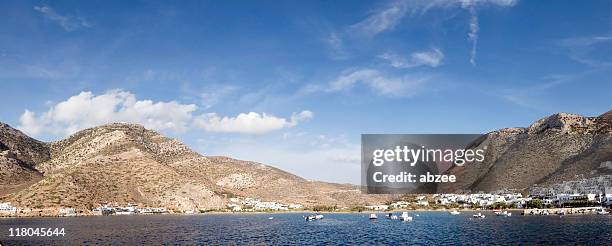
(234,207)
(296,206)
(7,208)
(270,206)
(153,210)
(67,212)
(400,204)
(422,203)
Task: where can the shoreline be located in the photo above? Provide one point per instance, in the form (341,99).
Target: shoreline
(513,210)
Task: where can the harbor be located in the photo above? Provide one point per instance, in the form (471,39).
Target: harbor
(430,227)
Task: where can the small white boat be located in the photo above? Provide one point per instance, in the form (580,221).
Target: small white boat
(405,217)
(504,213)
(313,217)
(373,216)
(394,217)
(479,215)
(271,218)
(455,212)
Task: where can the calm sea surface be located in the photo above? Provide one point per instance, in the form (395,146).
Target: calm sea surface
(429,228)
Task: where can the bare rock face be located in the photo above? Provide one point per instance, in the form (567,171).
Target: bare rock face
(561,147)
(26,149)
(14,172)
(127,163)
(19,155)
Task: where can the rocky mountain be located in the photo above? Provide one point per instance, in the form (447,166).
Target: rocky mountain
(18,156)
(128,163)
(559,148)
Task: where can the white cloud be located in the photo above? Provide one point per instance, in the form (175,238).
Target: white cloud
(88,110)
(67,22)
(432,58)
(380,83)
(250,123)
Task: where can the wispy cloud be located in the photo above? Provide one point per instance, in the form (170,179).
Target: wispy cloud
(379,82)
(471,6)
(391,15)
(336,45)
(588,50)
(432,58)
(585,41)
(67,22)
(214,95)
(383,19)
(473,34)
(531,96)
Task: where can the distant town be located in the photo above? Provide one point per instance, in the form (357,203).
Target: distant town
(539,202)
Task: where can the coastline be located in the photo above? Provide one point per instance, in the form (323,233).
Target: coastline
(513,210)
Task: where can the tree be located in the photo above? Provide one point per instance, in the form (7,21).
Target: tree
(535,203)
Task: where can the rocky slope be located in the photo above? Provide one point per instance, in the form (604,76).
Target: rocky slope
(561,147)
(18,156)
(128,163)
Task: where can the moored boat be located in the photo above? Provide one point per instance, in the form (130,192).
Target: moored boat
(313,217)
(405,217)
(373,216)
(479,215)
(602,211)
(503,213)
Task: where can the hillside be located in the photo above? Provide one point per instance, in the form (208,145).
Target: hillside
(18,156)
(559,148)
(128,163)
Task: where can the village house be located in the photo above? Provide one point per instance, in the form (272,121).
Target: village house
(7,209)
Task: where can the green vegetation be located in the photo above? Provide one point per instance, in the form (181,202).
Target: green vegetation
(320,208)
(501,205)
(534,203)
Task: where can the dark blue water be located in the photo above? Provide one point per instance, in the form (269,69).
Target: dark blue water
(430,228)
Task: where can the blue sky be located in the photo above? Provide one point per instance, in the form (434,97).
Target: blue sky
(293,84)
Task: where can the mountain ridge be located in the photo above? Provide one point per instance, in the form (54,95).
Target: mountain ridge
(123,162)
(555,149)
